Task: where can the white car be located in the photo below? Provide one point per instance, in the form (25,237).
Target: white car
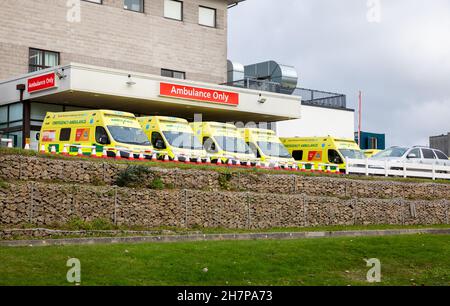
(417,154)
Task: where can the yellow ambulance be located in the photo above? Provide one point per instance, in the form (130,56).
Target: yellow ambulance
(268,147)
(371,152)
(224,142)
(113,130)
(322,150)
(173,137)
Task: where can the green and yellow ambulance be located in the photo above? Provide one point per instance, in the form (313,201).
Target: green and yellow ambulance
(173,137)
(100,129)
(225,143)
(322,150)
(268,147)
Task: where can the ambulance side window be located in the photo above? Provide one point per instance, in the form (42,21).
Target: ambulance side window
(334,157)
(158,141)
(209,145)
(101,136)
(297,154)
(64,135)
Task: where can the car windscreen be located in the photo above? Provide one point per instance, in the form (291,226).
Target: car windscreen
(349,153)
(128,135)
(391,152)
(183,140)
(233,144)
(273,149)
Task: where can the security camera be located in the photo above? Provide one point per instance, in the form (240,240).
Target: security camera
(262,99)
(61,74)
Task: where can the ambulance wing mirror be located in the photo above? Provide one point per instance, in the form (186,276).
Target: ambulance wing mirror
(103,140)
(159,144)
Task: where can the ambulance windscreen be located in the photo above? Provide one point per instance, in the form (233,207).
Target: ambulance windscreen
(128,135)
(183,140)
(233,145)
(273,149)
(348,153)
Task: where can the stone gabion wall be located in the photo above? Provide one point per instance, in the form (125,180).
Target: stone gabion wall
(16,167)
(45,204)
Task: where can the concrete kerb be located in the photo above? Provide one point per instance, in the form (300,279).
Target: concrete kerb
(221,237)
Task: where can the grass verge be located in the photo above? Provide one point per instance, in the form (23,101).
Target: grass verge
(102,228)
(405,260)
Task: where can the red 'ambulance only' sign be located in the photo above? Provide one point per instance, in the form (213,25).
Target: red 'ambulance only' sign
(42,82)
(199,94)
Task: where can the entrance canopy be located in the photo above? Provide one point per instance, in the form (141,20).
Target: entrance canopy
(144,94)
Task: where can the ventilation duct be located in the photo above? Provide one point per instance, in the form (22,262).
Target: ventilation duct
(284,77)
(235,72)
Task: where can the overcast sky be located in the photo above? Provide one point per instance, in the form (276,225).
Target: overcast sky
(402,63)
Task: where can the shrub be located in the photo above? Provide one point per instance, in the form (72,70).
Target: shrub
(157,184)
(3,185)
(132,176)
(224,180)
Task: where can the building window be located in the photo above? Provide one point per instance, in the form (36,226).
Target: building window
(373,143)
(207,16)
(134,5)
(11,123)
(173,74)
(173,9)
(42,59)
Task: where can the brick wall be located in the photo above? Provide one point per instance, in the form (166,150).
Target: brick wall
(27,168)
(113,37)
(50,204)
(48,191)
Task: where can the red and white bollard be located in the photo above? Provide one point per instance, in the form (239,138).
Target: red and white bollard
(118,155)
(94,153)
(27,146)
(141,156)
(219,162)
(80,152)
(64,152)
(166,158)
(154,157)
(130,156)
(175,159)
(53,150)
(199,160)
(104,153)
(42,151)
(208,161)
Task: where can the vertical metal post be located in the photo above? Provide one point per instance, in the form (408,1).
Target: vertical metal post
(359,118)
(26,133)
(367,166)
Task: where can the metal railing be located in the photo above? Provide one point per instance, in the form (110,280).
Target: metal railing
(251,83)
(321,98)
(309,96)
